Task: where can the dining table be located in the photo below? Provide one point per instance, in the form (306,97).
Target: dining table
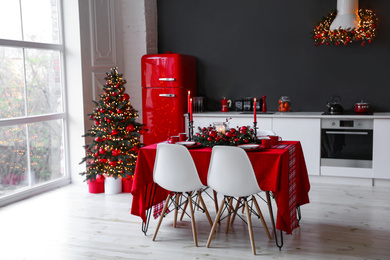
(280,170)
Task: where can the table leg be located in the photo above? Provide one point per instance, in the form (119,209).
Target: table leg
(145,225)
(273,222)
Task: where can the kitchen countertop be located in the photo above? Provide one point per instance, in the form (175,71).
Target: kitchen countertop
(383,115)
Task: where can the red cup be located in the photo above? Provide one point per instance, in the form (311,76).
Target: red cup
(173,139)
(275,139)
(182,137)
(266,142)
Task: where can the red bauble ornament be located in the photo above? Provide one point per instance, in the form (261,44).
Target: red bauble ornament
(126,96)
(116,152)
(135,149)
(236,140)
(102,110)
(97,122)
(96,154)
(130,128)
(102,151)
(114,132)
(119,111)
(246,141)
(209,139)
(113,163)
(98,139)
(229,134)
(103,160)
(107,98)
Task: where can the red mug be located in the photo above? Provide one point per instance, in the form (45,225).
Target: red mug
(275,139)
(266,142)
(173,139)
(182,137)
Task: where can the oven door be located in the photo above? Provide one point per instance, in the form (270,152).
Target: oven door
(346,148)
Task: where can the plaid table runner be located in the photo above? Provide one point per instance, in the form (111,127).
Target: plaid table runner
(292,183)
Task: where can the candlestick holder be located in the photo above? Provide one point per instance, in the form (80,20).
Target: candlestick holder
(255,128)
(190,128)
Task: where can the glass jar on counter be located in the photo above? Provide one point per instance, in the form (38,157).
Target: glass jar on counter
(284,104)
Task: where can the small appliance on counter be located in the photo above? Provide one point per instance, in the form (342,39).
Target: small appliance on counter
(225,104)
(334,106)
(248,104)
(238,105)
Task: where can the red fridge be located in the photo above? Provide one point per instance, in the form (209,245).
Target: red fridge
(166,80)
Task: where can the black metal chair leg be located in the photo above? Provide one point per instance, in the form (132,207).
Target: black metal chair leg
(145,225)
(273,223)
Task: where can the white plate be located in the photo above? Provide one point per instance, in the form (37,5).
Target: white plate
(186,143)
(248,146)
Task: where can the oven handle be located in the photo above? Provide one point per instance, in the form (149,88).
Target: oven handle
(346,133)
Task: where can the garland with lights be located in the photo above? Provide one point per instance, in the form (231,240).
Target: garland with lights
(209,136)
(116,135)
(365,32)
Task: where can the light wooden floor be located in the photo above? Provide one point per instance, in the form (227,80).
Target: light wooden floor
(341,222)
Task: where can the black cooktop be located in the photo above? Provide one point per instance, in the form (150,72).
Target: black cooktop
(348,113)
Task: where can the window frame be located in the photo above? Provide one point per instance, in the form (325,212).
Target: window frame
(34,189)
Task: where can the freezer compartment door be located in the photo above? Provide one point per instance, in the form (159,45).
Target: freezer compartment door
(169,70)
(163,113)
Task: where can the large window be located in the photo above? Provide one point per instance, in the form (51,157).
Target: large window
(32,112)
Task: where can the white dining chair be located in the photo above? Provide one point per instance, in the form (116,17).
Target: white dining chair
(175,171)
(231,175)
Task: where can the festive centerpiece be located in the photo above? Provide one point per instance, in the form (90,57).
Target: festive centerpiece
(209,136)
(115,133)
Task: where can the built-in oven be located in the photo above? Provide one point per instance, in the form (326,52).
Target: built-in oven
(346,142)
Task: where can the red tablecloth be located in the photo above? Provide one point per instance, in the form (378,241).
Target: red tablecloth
(281,170)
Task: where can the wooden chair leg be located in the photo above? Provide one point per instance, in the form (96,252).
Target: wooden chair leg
(176,209)
(248,216)
(215,200)
(205,208)
(215,223)
(235,211)
(184,211)
(261,217)
(192,220)
(162,216)
(229,213)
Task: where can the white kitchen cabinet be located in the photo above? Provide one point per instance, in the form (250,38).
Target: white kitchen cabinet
(308,132)
(381,155)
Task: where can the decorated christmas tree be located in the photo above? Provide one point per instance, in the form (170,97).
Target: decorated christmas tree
(115,132)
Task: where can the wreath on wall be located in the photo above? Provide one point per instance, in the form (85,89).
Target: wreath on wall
(365,32)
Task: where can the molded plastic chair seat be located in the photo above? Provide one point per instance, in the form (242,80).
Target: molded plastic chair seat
(231,174)
(175,170)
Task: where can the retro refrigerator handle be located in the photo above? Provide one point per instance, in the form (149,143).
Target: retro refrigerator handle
(166,79)
(167,95)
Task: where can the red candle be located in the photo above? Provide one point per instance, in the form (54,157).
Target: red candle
(254,110)
(188,101)
(191,118)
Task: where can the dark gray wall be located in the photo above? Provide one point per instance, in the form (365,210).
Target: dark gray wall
(262,47)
